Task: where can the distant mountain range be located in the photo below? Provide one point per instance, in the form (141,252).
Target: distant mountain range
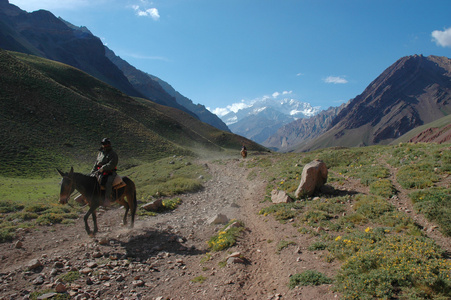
(261,119)
(42,34)
(414,91)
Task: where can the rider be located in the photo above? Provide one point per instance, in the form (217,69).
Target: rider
(105,166)
(243,148)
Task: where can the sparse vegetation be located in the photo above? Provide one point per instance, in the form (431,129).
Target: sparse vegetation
(225,238)
(309,277)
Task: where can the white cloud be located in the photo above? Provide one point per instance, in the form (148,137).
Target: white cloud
(335,80)
(287,92)
(232,107)
(442,38)
(150,12)
(275,94)
(299,74)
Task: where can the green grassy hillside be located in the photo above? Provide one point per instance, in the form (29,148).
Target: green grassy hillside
(53,115)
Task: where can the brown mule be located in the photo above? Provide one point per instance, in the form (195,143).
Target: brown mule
(89,187)
(244,153)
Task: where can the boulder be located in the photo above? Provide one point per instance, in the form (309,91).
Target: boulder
(314,176)
(280,197)
(155,205)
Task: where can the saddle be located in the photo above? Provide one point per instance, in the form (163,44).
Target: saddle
(117,183)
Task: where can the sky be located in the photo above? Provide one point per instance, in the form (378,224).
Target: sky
(227,54)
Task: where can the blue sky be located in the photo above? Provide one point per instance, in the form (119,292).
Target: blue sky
(225,54)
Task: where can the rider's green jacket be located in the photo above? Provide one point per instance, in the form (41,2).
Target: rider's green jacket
(107,159)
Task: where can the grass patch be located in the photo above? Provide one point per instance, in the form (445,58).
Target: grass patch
(435,204)
(383,188)
(199,279)
(391,266)
(70,276)
(282,211)
(226,238)
(284,244)
(416,176)
(309,277)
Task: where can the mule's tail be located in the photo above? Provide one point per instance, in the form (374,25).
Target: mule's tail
(134,203)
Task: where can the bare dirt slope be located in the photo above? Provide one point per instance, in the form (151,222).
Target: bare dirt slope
(167,256)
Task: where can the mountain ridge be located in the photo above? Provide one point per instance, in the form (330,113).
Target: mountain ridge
(413,91)
(41,33)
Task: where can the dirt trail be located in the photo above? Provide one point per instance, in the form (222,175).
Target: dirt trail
(166,256)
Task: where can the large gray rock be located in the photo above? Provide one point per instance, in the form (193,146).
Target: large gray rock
(314,176)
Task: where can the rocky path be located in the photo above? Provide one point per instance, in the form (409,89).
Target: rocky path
(166,257)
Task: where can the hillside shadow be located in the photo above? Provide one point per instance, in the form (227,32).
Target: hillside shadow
(152,242)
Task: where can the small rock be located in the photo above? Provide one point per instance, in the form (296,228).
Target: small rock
(60,288)
(18,245)
(34,264)
(218,219)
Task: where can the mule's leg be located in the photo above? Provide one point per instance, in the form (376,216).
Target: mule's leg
(127,208)
(94,219)
(85,218)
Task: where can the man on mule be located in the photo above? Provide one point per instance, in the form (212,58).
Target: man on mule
(106,166)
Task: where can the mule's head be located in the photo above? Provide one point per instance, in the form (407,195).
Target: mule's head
(67,185)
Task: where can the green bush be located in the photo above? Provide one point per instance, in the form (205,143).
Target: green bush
(372,207)
(7,206)
(435,204)
(383,188)
(416,176)
(309,277)
(393,266)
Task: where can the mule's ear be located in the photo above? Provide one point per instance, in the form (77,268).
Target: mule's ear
(61,173)
(71,170)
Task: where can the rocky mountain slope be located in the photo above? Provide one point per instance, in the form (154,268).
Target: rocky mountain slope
(42,34)
(52,115)
(295,133)
(414,91)
(162,92)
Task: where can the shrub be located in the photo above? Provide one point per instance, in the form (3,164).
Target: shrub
(171,204)
(372,207)
(435,204)
(392,266)
(226,238)
(383,188)
(416,176)
(70,276)
(7,206)
(282,211)
(309,277)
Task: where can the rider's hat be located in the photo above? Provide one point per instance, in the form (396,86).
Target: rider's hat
(106,141)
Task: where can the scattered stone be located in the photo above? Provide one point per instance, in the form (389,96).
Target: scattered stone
(60,288)
(218,219)
(47,296)
(280,197)
(154,205)
(39,280)
(18,245)
(34,264)
(235,260)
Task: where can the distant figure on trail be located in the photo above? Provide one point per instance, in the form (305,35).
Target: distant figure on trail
(105,167)
(243,151)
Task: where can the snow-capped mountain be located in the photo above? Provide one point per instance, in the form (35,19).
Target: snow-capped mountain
(260,119)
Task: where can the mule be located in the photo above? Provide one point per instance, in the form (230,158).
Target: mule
(91,191)
(244,153)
